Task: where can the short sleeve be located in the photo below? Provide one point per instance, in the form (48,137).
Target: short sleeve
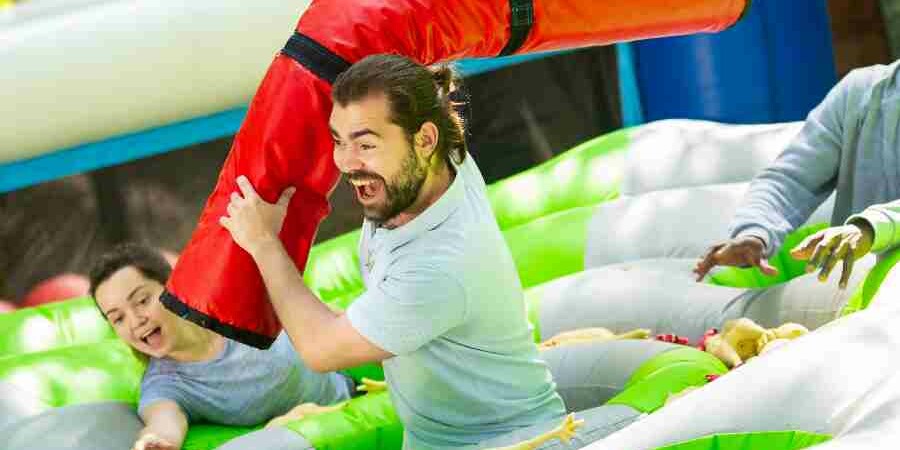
(409,308)
(157,386)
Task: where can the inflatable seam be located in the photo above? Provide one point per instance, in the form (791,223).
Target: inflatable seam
(521,18)
(174,304)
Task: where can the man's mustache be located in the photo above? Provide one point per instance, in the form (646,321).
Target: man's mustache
(362,175)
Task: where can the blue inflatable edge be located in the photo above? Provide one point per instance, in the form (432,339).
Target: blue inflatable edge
(119,149)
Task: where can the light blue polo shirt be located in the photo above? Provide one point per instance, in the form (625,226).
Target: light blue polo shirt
(443,295)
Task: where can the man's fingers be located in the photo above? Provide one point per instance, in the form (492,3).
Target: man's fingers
(225,221)
(767,268)
(753,258)
(822,251)
(804,250)
(231,209)
(847,270)
(285,198)
(247,188)
(707,263)
(831,261)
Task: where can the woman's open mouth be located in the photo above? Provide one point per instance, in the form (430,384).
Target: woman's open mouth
(153,337)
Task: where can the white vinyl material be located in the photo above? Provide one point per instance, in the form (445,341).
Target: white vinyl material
(843,380)
(661,294)
(675,223)
(78,73)
(681,153)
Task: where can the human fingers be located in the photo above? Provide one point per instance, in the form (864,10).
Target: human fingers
(286,195)
(247,188)
(804,250)
(834,256)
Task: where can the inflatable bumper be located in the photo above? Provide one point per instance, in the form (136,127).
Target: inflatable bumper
(285,140)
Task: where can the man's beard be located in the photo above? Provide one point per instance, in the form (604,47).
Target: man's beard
(400,192)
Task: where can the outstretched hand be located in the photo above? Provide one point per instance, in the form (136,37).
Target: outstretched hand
(151,441)
(747,251)
(824,249)
(251,220)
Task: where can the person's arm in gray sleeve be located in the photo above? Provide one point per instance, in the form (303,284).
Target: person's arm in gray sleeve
(784,194)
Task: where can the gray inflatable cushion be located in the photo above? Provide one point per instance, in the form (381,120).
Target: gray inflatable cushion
(93,426)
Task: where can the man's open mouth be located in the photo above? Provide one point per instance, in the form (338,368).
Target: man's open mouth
(365,188)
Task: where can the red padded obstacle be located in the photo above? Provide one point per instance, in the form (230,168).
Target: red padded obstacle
(285,140)
(59,288)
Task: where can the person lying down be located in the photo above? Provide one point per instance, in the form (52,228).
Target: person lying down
(193,374)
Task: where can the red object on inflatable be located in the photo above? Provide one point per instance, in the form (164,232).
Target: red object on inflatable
(285,140)
(59,288)
(6,306)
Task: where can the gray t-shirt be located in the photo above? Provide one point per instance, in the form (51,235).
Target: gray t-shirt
(242,385)
(444,296)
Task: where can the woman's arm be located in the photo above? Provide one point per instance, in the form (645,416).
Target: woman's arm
(165,426)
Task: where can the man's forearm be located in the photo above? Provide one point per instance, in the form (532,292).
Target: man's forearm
(304,317)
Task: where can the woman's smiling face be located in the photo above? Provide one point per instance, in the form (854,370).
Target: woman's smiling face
(130,302)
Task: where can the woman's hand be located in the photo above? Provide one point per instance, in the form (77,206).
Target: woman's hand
(150,441)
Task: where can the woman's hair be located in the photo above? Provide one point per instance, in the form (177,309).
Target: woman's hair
(416,94)
(148,261)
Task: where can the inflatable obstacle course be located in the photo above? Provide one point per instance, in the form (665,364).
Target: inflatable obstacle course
(566,293)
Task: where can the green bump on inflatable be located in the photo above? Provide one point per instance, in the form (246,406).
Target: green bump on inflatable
(864,293)
(668,373)
(584,175)
(366,423)
(332,270)
(208,436)
(52,325)
(759,440)
(788,267)
(101,371)
(558,252)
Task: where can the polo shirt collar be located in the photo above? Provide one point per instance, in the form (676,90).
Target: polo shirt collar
(432,217)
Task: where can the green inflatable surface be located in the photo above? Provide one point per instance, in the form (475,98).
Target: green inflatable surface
(52,326)
(666,374)
(767,440)
(864,294)
(100,371)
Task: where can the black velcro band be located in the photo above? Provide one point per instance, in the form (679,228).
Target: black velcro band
(315,57)
(174,304)
(521,18)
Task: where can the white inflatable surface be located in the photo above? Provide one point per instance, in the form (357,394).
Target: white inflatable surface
(80,71)
(680,153)
(843,380)
(673,223)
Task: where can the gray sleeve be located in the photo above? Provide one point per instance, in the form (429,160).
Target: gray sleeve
(408,309)
(783,196)
(156,387)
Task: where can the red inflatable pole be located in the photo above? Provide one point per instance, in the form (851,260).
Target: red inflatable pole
(285,141)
